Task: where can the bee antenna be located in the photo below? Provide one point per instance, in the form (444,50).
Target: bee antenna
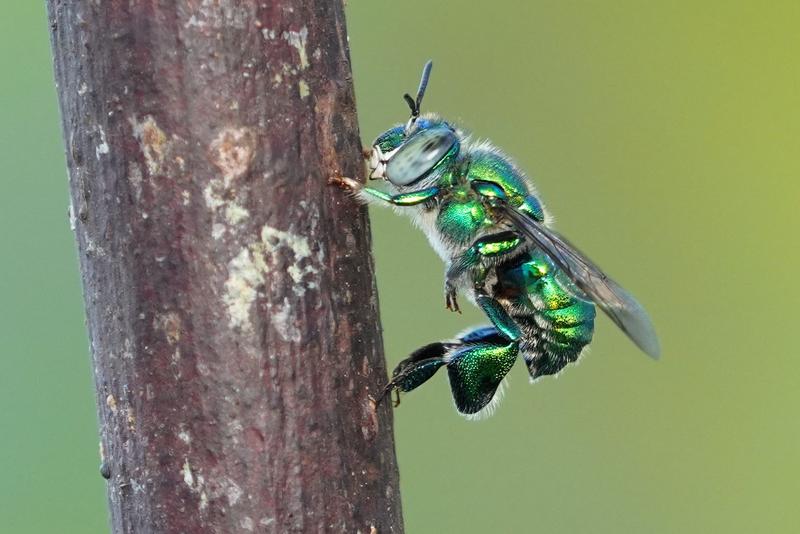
(423,84)
(412,105)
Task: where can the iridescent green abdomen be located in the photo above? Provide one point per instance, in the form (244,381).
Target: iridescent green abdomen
(557,325)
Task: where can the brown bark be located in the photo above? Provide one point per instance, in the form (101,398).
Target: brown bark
(230,299)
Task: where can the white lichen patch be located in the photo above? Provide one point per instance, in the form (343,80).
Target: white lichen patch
(249,269)
(298,40)
(193,22)
(232,151)
(303,89)
(212,198)
(196,483)
(217,230)
(282,319)
(136,486)
(152,141)
(247,524)
(188,477)
(218,486)
(175,359)
(232,491)
(288,70)
(303,269)
(135,178)
(73,221)
(102,147)
(272,237)
(185,437)
(216,15)
(111,402)
(127,349)
(241,288)
(235,214)
(130,418)
(235,427)
(268,34)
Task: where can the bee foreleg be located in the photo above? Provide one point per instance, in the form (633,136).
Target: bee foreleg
(348,184)
(368,194)
(451,296)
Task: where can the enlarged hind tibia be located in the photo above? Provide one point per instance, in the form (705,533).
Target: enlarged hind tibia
(476,371)
(476,364)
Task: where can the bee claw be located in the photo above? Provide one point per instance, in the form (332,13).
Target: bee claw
(344,182)
(451,301)
(387,391)
(336,180)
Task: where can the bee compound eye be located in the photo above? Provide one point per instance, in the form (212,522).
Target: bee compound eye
(419,155)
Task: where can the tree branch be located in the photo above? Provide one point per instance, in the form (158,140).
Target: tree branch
(232,312)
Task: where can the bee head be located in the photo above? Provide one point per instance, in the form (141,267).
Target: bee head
(405,154)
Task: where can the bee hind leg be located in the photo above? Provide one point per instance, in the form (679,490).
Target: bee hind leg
(416,369)
(476,371)
(477,368)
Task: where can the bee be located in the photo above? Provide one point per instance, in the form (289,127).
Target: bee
(483,216)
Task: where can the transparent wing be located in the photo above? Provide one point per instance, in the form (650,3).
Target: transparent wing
(617,303)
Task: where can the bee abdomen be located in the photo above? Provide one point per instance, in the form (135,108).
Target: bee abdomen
(557,325)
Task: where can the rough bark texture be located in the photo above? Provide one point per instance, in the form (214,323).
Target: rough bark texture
(229,292)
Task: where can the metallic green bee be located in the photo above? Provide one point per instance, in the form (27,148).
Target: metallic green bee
(484,218)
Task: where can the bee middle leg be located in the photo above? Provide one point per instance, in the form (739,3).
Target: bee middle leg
(474,260)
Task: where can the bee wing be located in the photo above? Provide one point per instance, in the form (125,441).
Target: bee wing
(617,303)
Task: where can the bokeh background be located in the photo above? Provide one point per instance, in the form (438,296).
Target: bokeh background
(665,137)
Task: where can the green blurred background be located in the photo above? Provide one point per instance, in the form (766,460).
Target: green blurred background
(665,137)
